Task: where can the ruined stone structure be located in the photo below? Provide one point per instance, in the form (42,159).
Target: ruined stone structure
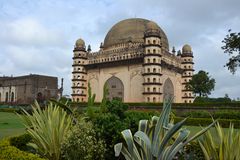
(135,63)
(25,89)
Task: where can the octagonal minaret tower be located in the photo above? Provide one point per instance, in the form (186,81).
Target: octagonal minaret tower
(152,64)
(187,66)
(79,79)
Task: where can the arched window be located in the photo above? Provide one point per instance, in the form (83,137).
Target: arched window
(148,89)
(154,60)
(154,50)
(148,60)
(148,80)
(78,84)
(154,80)
(154,89)
(6,97)
(154,41)
(149,51)
(148,99)
(185,101)
(77,99)
(148,70)
(148,41)
(154,99)
(154,70)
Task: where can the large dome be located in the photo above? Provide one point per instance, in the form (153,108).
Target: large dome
(132,29)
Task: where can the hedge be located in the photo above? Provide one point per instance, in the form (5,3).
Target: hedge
(206,121)
(8,152)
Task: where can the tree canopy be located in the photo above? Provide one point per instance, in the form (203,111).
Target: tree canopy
(232,48)
(201,84)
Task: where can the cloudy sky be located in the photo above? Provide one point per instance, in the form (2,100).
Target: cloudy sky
(37,36)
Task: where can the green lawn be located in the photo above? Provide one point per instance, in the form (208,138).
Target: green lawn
(10,125)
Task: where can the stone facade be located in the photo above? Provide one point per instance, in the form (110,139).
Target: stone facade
(25,89)
(136,65)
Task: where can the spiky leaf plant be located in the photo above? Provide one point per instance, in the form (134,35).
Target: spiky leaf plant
(221,145)
(47,128)
(156,139)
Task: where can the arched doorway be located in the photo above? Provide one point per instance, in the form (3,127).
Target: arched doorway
(6,97)
(12,97)
(115,88)
(168,89)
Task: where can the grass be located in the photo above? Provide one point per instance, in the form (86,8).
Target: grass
(10,125)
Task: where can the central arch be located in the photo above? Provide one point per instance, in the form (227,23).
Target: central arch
(168,89)
(115,88)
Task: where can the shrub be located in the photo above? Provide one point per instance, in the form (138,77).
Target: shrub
(117,107)
(47,128)
(21,141)
(8,152)
(108,127)
(157,138)
(222,145)
(81,143)
(197,114)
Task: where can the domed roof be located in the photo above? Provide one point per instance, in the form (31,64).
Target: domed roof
(80,43)
(186,49)
(132,30)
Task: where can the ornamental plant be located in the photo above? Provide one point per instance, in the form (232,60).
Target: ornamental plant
(157,138)
(47,127)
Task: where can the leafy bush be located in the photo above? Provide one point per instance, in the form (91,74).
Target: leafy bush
(191,151)
(21,141)
(117,107)
(206,121)
(11,110)
(157,138)
(8,152)
(47,128)
(81,143)
(108,127)
(198,114)
(222,145)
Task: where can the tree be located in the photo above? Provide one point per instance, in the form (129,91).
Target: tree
(201,83)
(232,48)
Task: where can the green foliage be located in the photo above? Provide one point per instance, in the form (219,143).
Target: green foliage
(47,129)
(222,147)
(232,47)
(103,105)
(158,138)
(11,110)
(90,103)
(197,114)
(191,151)
(201,83)
(81,143)
(206,121)
(132,118)
(117,107)
(20,141)
(108,127)
(8,152)
(212,100)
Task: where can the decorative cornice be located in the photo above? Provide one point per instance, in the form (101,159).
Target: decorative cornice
(187,62)
(79,72)
(76,94)
(191,97)
(149,64)
(152,54)
(186,76)
(152,45)
(188,69)
(80,58)
(82,80)
(151,93)
(151,73)
(81,87)
(171,67)
(77,65)
(152,83)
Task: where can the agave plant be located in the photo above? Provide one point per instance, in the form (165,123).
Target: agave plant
(157,139)
(221,145)
(47,128)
